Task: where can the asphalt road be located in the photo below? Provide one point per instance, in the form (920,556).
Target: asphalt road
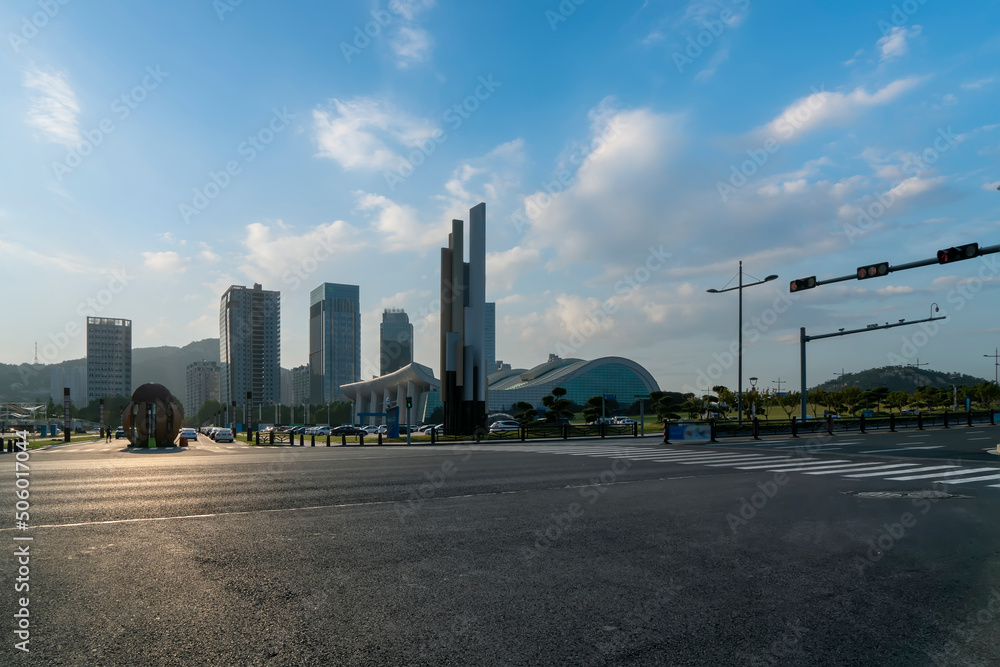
(617,552)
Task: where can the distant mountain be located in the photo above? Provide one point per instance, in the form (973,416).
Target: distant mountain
(899,378)
(166,365)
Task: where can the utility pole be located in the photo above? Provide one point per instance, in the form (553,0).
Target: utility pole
(779,382)
(918,364)
(841,374)
(996,360)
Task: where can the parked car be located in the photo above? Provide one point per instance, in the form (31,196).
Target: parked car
(119,432)
(224,435)
(347,429)
(623,421)
(188,433)
(504,426)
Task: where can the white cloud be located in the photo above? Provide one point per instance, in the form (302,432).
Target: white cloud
(995,185)
(894,44)
(504,268)
(830,108)
(410,42)
(294,257)
(354,133)
(54,109)
(893,290)
(399,226)
(412,45)
(976,85)
(165,262)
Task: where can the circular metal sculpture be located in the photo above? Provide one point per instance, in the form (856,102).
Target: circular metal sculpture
(153,417)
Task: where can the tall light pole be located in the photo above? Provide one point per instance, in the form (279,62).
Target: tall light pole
(996,364)
(740,287)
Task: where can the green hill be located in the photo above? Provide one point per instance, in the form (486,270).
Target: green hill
(899,378)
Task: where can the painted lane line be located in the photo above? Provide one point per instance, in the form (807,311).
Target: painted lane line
(910,467)
(892,467)
(982,478)
(771,460)
(850,467)
(900,449)
(819,462)
(731,459)
(966,471)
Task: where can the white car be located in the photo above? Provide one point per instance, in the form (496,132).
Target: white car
(224,435)
(188,433)
(623,421)
(504,425)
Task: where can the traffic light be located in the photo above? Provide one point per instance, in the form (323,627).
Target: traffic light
(961,252)
(873,270)
(409,402)
(804,283)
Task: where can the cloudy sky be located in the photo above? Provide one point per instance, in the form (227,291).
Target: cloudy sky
(630,155)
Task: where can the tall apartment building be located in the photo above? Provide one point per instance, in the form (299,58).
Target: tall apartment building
(395,341)
(202,385)
(334,340)
(249,345)
(300,385)
(109,357)
(491,336)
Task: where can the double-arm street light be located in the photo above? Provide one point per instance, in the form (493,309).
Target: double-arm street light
(996,361)
(740,287)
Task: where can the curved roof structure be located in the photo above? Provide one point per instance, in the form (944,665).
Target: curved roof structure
(421,376)
(582,379)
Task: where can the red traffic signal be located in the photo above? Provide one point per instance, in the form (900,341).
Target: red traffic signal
(873,270)
(956,254)
(801,284)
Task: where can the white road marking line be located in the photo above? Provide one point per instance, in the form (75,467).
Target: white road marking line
(900,449)
(980,438)
(966,471)
(787,465)
(909,467)
(842,467)
(982,478)
(871,467)
(917,435)
(775,459)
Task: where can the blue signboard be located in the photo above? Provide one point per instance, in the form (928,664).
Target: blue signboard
(610,397)
(392,422)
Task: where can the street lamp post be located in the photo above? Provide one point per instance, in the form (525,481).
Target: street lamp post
(996,364)
(739,370)
(753,387)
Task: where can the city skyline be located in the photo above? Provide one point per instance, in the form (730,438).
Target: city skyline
(615,202)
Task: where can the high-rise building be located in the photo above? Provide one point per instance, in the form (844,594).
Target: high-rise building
(395,341)
(202,385)
(463,326)
(249,345)
(75,378)
(334,340)
(300,384)
(109,357)
(491,336)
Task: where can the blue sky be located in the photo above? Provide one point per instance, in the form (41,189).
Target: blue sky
(630,155)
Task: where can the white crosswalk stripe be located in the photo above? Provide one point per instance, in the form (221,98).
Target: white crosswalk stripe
(950,473)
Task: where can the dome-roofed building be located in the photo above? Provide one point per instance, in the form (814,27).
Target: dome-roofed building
(581,379)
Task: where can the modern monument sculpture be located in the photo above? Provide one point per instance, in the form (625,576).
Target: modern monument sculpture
(463,326)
